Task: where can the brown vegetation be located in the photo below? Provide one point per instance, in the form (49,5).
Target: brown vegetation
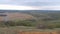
(14,16)
(19,16)
(54,32)
(1,18)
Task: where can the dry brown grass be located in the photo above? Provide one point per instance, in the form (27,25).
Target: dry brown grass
(34,33)
(1,18)
(13,16)
(54,32)
(19,16)
(20,30)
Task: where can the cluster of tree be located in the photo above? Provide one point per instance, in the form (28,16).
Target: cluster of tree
(49,26)
(18,23)
(29,23)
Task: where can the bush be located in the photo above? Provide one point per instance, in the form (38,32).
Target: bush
(9,23)
(50,27)
(19,23)
(25,23)
(57,25)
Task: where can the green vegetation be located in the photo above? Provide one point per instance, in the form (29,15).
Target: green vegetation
(48,19)
(42,21)
(19,23)
(29,24)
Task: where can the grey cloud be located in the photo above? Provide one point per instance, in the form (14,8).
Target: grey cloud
(30,2)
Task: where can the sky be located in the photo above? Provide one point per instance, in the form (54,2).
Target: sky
(30,4)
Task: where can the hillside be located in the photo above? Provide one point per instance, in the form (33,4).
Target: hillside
(19,16)
(33,17)
(40,14)
(16,16)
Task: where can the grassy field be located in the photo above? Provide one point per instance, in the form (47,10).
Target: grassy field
(17,29)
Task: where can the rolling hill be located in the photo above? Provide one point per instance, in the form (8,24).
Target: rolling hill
(16,16)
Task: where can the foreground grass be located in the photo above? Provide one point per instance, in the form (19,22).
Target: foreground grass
(16,29)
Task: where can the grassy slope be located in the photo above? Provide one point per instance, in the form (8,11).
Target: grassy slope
(15,16)
(15,30)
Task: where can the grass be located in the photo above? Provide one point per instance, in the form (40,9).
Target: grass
(16,29)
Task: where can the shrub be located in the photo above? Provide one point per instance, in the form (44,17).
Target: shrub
(20,23)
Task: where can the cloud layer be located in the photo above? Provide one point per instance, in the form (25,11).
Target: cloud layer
(30,4)
(49,7)
(14,7)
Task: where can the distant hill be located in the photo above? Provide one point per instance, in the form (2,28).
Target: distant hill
(39,16)
(31,14)
(19,16)
(16,16)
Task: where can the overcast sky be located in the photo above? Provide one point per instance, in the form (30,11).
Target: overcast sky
(30,4)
